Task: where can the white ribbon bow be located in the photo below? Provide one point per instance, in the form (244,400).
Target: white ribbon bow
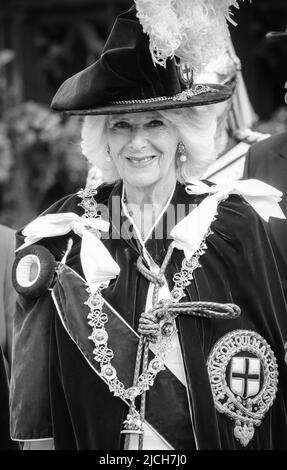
(98,265)
(190,231)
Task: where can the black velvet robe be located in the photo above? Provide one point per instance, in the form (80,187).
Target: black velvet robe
(55,392)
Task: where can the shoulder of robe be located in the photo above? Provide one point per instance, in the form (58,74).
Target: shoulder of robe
(237,220)
(103,192)
(71,203)
(55,245)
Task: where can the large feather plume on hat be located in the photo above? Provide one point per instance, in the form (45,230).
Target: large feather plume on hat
(196,31)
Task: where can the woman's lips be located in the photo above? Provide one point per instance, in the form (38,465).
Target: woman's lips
(141,161)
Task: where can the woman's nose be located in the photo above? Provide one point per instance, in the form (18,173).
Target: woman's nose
(138,138)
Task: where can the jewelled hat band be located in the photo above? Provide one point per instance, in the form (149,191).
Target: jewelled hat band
(182,96)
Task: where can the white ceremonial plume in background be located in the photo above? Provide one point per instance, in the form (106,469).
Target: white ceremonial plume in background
(196,31)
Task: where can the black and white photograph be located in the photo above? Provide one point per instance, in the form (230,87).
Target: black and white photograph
(143,231)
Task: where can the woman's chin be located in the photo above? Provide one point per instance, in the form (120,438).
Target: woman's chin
(142,178)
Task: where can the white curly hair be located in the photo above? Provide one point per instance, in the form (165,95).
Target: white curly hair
(196,128)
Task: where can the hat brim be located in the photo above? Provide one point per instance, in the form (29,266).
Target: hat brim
(217,94)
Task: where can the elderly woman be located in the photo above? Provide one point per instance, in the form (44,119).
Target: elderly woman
(151,314)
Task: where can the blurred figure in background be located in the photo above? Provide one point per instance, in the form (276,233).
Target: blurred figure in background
(7,293)
(235,117)
(7,309)
(267,161)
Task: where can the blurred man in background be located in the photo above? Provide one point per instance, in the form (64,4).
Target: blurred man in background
(235,117)
(267,161)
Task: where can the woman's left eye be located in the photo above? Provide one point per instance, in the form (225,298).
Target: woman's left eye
(155,123)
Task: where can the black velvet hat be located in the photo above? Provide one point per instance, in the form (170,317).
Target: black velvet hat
(125,79)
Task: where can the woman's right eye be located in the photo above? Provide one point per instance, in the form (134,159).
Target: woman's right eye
(121,125)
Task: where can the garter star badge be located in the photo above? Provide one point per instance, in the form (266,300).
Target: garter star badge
(243,376)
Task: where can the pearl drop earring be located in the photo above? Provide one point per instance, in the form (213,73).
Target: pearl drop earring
(181,152)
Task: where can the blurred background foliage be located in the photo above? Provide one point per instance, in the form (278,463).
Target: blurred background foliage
(40,160)
(43,43)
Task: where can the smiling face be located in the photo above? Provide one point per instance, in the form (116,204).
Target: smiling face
(142,147)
